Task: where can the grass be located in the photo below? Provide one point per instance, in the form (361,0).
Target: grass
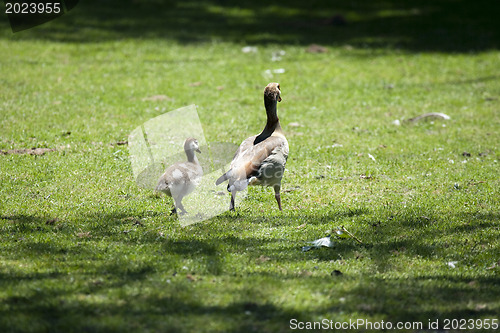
(84,249)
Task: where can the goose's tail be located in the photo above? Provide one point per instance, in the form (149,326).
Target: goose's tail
(223,178)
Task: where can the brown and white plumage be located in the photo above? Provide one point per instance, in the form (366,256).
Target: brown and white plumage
(181,178)
(260,159)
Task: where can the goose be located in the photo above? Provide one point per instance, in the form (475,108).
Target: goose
(181,178)
(260,159)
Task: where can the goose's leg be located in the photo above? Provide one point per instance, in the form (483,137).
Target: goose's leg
(277,195)
(181,207)
(233,196)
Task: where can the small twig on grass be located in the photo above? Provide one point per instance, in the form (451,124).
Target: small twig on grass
(350,234)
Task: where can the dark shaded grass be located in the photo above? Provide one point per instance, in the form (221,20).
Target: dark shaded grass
(160,293)
(441,26)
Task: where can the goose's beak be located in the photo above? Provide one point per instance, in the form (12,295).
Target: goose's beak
(279,98)
(198,150)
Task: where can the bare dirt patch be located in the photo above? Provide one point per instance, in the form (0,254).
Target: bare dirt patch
(29,151)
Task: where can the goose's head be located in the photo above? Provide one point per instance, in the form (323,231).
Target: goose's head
(192,144)
(272,92)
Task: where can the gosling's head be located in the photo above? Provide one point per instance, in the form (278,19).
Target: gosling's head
(192,144)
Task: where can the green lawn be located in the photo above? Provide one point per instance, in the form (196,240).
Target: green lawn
(83,249)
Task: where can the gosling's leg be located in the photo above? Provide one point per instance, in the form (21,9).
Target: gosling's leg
(181,207)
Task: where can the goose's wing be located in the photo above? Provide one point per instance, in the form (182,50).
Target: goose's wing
(271,169)
(244,146)
(249,158)
(166,179)
(163,183)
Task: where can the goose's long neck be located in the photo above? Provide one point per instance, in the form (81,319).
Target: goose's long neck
(191,156)
(273,122)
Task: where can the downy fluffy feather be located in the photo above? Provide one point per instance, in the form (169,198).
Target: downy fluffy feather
(181,178)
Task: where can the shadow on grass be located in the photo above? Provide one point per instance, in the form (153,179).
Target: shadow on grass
(408,233)
(163,313)
(443,26)
(410,299)
(175,307)
(119,293)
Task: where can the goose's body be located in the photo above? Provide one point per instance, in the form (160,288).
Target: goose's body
(181,178)
(260,159)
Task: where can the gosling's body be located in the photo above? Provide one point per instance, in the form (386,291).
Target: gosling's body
(260,159)
(182,178)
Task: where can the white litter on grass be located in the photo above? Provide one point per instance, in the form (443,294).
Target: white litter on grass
(373,158)
(431,115)
(452,263)
(396,122)
(276,56)
(249,49)
(326,242)
(339,233)
(335,145)
(270,72)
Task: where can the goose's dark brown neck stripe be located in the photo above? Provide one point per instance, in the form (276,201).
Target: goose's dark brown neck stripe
(273,122)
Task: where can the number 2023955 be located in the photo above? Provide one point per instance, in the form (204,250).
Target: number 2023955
(33,7)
